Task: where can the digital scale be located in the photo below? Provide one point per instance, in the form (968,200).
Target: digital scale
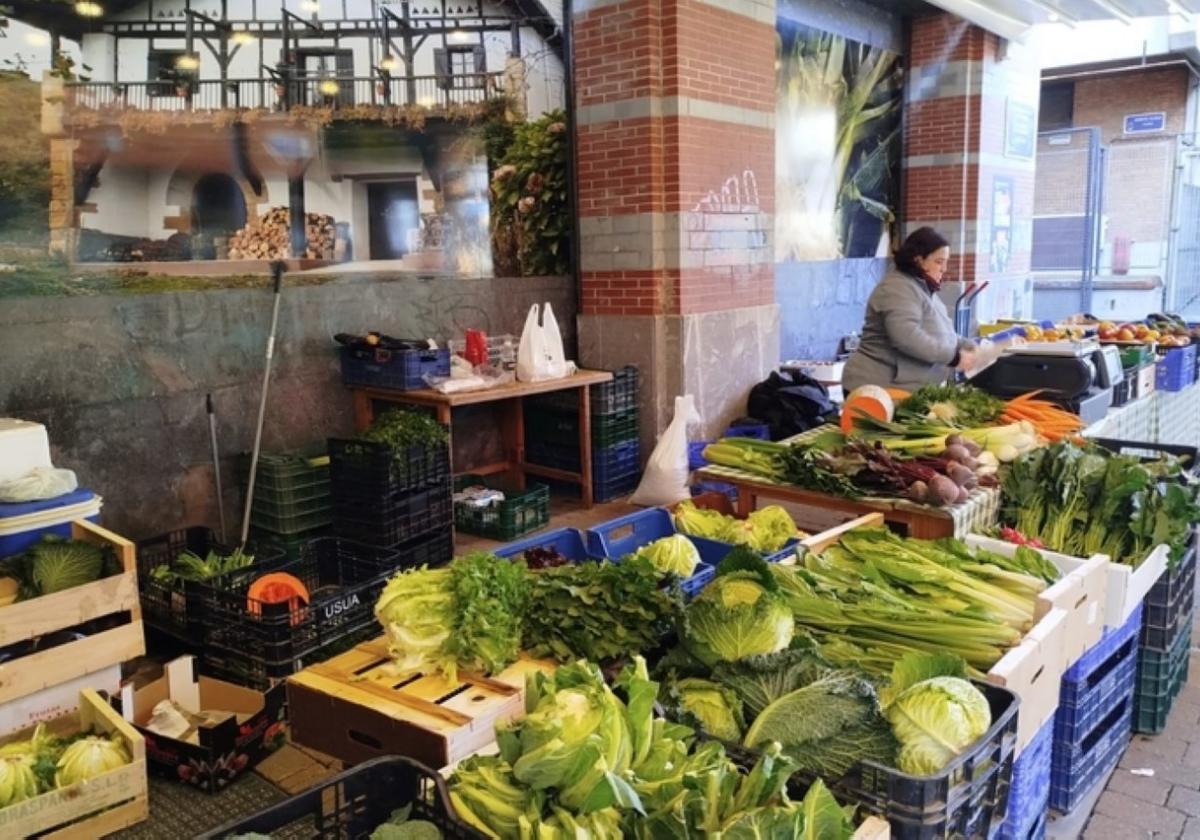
(1079,375)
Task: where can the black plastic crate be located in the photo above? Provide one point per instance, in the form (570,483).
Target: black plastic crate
(180,609)
(361,466)
(552,424)
(389,521)
(403,369)
(621,394)
(429,550)
(1160,678)
(520,512)
(350,806)
(1157,639)
(608,463)
(260,641)
(1172,595)
(1189,456)
(968,798)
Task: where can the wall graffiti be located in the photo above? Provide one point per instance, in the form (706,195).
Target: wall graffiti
(739,194)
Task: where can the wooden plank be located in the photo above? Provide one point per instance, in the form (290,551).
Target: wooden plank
(819,542)
(873,828)
(430,397)
(20,677)
(585,446)
(68,608)
(127,784)
(550,472)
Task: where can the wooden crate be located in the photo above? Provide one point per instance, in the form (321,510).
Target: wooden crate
(114,800)
(819,542)
(873,828)
(354,707)
(26,620)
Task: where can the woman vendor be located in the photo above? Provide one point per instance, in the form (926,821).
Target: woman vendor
(908,339)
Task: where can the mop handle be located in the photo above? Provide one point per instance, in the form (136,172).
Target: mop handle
(212,432)
(277,270)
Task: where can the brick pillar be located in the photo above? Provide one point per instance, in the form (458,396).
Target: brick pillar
(675,103)
(964,86)
(62,221)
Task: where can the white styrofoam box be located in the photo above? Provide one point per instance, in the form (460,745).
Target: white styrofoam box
(1033,671)
(1081,592)
(56,700)
(23,446)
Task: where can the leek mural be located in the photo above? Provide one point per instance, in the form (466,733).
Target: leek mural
(837,146)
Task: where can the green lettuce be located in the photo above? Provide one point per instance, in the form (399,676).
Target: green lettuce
(674,555)
(416,609)
(716,709)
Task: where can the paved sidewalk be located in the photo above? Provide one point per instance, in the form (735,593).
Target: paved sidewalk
(1167,804)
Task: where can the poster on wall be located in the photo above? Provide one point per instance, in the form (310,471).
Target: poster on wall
(1001,244)
(837,146)
(1020,130)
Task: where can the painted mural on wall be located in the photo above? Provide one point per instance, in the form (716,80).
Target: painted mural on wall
(837,145)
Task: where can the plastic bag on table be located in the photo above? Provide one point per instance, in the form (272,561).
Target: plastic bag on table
(665,480)
(540,354)
(38,484)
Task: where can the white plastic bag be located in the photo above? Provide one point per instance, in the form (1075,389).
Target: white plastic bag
(540,354)
(38,484)
(665,481)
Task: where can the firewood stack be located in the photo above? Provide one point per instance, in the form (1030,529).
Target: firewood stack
(269,237)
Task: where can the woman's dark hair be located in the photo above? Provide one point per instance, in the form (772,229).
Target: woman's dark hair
(920,243)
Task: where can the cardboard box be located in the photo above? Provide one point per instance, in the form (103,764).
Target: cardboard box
(57,700)
(225,750)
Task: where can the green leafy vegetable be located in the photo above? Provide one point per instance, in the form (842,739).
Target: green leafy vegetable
(55,564)
(714,707)
(674,555)
(740,614)
(598,611)
(189,566)
(766,529)
(401,429)
(759,681)
(416,609)
(400,827)
(827,726)
(958,405)
(935,713)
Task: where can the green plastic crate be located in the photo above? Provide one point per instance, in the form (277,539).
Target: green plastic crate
(521,512)
(283,480)
(294,518)
(1160,678)
(562,427)
(288,543)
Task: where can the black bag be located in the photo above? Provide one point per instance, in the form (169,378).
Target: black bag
(791,402)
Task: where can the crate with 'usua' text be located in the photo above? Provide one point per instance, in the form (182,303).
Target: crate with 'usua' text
(202,731)
(357,707)
(97,807)
(301,612)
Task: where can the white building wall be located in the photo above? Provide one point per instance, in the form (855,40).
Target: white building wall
(121,203)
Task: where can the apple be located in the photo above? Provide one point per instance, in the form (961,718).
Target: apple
(1141,331)
(1108,332)
(1124,334)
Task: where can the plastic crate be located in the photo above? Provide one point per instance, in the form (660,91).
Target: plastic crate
(1176,370)
(1160,678)
(606,398)
(181,610)
(289,544)
(521,511)
(293,518)
(1074,773)
(696,454)
(432,551)
(1093,685)
(614,488)
(367,467)
(391,520)
(400,369)
(729,491)
(714,551)
(354,803)
(623,536)
(1029,795)
(608,463)
(569,542)
(255,642)
(759,431)
(1171,598)
(1188,455)
(558,426)
(966,799)
(283,480)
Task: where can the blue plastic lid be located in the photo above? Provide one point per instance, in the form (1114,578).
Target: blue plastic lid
(75,497)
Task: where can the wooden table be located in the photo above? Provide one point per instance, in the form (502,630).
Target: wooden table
(512,421)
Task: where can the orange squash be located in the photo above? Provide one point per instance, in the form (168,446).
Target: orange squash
(277,588)
(870,400)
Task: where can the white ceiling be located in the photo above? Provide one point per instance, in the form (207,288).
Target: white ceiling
(1012,18)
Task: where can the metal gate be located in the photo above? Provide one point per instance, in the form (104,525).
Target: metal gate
(1184,286)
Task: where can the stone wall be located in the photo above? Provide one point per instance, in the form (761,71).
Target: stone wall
(120,381)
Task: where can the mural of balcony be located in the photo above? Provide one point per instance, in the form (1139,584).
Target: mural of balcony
(274,94)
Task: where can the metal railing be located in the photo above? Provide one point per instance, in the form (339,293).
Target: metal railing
(434,92)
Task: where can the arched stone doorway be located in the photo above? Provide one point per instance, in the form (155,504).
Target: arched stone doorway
(218,210)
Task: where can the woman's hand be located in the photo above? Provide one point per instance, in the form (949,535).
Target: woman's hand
(967,359)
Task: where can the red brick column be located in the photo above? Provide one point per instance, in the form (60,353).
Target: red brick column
(675,104)
(963,83)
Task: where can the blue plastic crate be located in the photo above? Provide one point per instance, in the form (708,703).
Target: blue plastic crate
(759,431)
(568,542)
(626,534)
(403,370)
(1077,768)
(696,454)
(16,542)
(613,488)
(729,490)
(1092,686)
(1029,794)
(608,463)
(1176,370)
(714,551)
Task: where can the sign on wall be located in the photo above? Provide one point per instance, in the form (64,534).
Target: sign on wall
(1002,204)
(1020,130)
(1145,123)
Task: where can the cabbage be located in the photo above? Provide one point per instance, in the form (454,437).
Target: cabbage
(17,780)
(771,528)
(416,609)
(56,564)
(741,613)
(935,713)
(700,522)
(766,530)
(673,555)
(90,757)
(717,709)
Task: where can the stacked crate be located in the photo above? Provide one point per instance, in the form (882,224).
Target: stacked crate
(1168,613)
(291,500)
(552,434)
(400,500)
